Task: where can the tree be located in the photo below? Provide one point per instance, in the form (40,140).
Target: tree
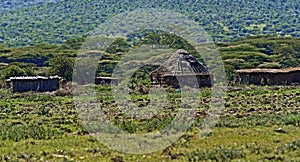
(61,66)
(289,55)
(170,40)
(11,71)
(230,74)
(74,43)
(27,67)
(119,45)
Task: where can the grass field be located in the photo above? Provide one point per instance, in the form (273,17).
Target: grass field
(257,123)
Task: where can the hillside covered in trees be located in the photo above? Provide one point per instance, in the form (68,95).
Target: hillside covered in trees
(33,22)
(7,5)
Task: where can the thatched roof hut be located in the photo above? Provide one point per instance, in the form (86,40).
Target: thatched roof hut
(181,69)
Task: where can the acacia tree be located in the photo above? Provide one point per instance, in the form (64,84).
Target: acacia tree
(61,66)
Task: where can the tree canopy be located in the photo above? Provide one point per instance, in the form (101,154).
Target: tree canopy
(61,66)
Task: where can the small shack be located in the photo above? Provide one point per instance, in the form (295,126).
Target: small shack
(182,69)
(37,83)
(107,80)
(287,76)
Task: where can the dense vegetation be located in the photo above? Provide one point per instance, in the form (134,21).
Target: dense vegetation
(251,52)
(260,52)
(223,20)
(7,5)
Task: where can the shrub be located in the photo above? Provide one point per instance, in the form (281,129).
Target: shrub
(12,70)
(17,69)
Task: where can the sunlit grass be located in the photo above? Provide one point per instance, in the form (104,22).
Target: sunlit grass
(257,123)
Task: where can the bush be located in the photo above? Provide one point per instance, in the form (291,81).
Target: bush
(11,71)
(17,69)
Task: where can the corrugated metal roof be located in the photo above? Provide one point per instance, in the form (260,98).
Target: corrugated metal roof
(259,70)
(32,78)
(111,78)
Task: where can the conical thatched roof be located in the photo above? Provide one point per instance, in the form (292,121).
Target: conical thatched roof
(181,63)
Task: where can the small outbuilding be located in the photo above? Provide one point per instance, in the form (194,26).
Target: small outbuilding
(287,76)
(29,83)
(182,69)
(106,80)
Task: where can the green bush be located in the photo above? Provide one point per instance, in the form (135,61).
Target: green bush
(17,69)
(12,70)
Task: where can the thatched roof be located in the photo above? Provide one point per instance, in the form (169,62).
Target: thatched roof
(181,63)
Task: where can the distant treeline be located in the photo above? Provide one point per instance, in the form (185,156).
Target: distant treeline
(33,22)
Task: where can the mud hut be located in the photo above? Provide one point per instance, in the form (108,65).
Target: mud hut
(181,69)
(38,83)
(287,76)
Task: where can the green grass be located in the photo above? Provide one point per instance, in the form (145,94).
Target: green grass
(257,123)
